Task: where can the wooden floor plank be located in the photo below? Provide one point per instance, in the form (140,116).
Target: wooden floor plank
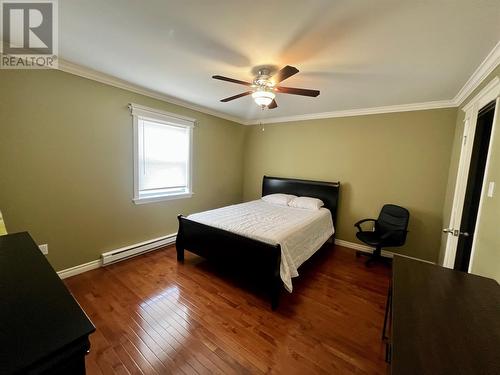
(155,316)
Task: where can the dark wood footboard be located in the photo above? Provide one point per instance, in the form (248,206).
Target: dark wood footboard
(225,247)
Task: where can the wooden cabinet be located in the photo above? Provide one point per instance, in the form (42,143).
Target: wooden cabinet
(43,330)
(443,321)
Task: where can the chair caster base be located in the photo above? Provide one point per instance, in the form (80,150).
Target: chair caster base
(372,258)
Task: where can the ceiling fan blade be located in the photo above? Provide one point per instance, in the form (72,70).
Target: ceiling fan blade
(227,79)
(272,105)
(296,91)
(236,96)
(285,73)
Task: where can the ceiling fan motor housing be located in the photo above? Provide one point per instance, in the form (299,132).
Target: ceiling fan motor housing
(263,80)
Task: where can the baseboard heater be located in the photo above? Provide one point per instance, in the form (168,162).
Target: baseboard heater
(137,249)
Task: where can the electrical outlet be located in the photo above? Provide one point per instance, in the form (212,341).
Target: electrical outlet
(44,249)
(491,189)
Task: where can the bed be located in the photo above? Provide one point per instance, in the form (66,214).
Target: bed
(273,241)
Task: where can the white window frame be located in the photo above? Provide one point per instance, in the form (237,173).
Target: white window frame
(140,112)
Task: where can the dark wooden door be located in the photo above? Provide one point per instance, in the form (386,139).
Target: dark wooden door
(474,186)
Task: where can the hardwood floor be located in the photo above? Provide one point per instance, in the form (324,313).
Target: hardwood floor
(155,316)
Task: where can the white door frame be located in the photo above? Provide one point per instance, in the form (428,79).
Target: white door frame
(489,93)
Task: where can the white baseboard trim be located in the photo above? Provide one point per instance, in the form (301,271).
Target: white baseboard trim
(360,247)
(368,249)
(94,264)
(170,239)
(68,272)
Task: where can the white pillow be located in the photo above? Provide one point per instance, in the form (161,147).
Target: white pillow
(307,203)
(281,199)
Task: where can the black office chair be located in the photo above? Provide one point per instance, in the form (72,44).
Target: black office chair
(390,230)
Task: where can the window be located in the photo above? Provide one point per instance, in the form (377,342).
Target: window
(162,155)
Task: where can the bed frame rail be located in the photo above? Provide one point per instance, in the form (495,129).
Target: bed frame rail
(232,249)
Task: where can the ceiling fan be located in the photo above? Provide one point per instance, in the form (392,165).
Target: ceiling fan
(265,86)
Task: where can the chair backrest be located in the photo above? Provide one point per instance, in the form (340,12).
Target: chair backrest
(393,217)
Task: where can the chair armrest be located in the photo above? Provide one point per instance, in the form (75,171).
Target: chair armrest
(388,234)
(358,224)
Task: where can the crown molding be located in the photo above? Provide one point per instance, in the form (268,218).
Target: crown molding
(491,61)
(489,92)
(81,71)
(483,70)
(358,112)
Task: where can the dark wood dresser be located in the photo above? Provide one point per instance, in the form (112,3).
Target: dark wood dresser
(444,322)
(43,330)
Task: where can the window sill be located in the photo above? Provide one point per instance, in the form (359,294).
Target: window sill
(160,198)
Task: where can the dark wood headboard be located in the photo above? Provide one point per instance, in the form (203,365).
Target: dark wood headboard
(328,192)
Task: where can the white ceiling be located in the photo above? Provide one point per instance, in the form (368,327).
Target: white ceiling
(359,54)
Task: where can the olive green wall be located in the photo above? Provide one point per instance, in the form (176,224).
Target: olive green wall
(66,165)
(400,158)
(486,261)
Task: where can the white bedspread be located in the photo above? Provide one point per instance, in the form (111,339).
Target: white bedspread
(299,232)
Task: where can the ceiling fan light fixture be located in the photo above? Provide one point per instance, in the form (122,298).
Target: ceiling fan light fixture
(264,87)
(263,97)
